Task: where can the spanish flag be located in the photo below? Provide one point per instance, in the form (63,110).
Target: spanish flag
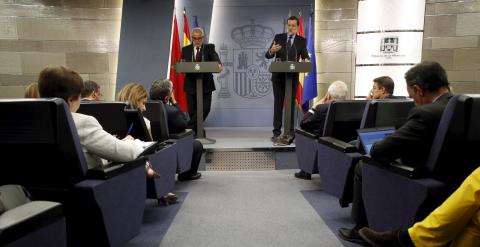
(186,30)
(301,78)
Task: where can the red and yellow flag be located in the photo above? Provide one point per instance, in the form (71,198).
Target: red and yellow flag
(186,30)
(301,76)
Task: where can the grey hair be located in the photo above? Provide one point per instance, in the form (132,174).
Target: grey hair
(338,90)
(161,88)
(198,30)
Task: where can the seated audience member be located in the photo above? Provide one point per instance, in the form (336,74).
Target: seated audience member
(137,95)
(98,145)
(383,87)
(177,123)
(32,91)
(314,120)
(91,91)
(428,85)
(455,222)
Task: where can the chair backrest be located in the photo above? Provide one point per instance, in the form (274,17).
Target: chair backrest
(157,115)
(449,155)
(39,144)
(139,128)
(109,114)
(386,113)
(343,119)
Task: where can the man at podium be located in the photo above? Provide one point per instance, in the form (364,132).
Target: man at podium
(285,47)
(199,52)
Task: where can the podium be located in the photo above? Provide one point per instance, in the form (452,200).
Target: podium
(288,68)
(198,68)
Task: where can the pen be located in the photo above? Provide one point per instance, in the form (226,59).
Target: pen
(129,129)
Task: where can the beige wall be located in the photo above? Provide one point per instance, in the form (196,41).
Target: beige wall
(452,31)
(81,34)
(335,33)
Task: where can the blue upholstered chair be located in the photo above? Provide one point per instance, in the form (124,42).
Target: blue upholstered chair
(157,115)
(40,150)
(120,118)
(29,223)
(397,195)
(338,158)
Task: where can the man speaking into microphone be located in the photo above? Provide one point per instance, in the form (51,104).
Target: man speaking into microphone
(285,47)
(199,52)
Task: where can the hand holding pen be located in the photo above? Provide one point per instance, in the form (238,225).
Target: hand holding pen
(128,136)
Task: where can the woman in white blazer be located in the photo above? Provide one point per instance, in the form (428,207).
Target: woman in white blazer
(98,145)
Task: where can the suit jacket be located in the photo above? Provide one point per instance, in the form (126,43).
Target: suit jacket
(97,144)
(208,55)
(297,51)
(412,142)
(177,121)
(314,123)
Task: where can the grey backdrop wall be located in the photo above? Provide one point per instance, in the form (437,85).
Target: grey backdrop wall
(242,32)
(144,41)
(145,36)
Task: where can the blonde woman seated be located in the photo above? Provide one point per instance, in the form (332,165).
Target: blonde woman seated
(98,145)
(31,91)
(137,95)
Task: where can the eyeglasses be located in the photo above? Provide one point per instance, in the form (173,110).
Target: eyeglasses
(197,38)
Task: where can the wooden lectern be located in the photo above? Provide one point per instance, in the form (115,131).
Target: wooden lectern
(198,68)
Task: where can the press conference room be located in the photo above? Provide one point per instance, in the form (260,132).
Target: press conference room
(240,123)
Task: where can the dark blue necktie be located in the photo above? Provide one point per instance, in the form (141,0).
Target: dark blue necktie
(290,42)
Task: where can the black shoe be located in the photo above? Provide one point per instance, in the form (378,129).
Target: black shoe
(381,239)
(303,175)
(186,177)
(350,235)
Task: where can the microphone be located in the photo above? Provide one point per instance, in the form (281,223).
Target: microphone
(201,49)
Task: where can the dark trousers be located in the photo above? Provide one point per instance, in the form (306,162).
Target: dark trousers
(358,208)
(278,85)
(192,108)
(196,157)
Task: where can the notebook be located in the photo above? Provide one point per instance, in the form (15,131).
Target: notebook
(369,136)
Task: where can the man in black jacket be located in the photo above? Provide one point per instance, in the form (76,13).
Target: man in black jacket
(199,52)
(285,47)
(314,120)
(177,123)
(428,85)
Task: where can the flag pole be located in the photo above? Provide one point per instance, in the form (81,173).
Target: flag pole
(171,41)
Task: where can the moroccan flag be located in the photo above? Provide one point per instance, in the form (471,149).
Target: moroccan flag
(310,83)
(301,76)
(177,78)
(186,30)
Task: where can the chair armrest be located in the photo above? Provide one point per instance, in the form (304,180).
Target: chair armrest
(396,167)
(183,134)
(337,144)
(19,221)
(113,169)
(305,133)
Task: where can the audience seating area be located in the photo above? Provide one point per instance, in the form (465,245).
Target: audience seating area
(395,195)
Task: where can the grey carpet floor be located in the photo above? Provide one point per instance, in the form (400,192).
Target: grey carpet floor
(255,208)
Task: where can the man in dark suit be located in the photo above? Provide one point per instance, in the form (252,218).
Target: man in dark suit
(285,47)
(177,123)
(382,88)
(428,85)
(314,120)
(199,52)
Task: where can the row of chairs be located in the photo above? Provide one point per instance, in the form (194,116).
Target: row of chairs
(395,195)
(102,206)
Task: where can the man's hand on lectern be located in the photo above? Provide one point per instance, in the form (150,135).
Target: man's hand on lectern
(220,67)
